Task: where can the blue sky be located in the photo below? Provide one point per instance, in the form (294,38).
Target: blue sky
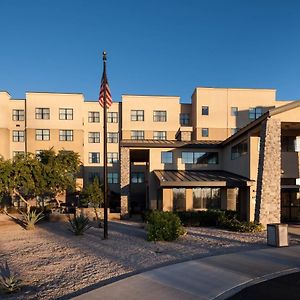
(164,47)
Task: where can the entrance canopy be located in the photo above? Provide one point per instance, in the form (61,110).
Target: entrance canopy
(173,178)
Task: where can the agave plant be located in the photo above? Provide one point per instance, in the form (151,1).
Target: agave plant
(31,218)
(79,224)
(9,281)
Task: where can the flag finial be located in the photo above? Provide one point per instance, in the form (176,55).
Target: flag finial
(104,55)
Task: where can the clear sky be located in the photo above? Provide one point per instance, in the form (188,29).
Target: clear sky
(155,47)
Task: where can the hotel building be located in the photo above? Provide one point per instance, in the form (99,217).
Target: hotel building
(229,148)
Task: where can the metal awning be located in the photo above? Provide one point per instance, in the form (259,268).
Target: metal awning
(174,178)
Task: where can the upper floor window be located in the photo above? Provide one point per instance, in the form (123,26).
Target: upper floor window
(18,153)
(138,177)
(94,137)
(66,135)
(239,149)
(112,157)
(255,112)
(205,110)
(94,117)
(166,157)
(18,135)
(204,132)
(42,134)
(112,117)
(42,113)
(290,143)
(113,177)
(184,119)
(18,115)
(137,134)
(160,116)
(66,113)
(137,115)
(200,158)
(234,111)
(159,135)
(94,157)
(112,137)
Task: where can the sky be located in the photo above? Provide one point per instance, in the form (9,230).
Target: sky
(154,47)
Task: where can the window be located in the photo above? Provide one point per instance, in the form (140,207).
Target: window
(255,112)
(66,135)
(94,157)
(137,134)
(92,175)
(200,158)
(94,117)
(205,110)
(66,113)
(290,143)
(112,117)
(42,134)
(234,111)
(137,115)
(159,116)
(112,157)
(42,113)
(178,199)
(94,137)
(233,131)
(18,115)
(166,157)
(239,150)
(204,132)
(18,135)
(112,137)
(184,119)
(159,135)
(18,153)
(209,198)
(113,177)
(138,177)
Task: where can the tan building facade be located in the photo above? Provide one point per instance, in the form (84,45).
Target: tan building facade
(229,148)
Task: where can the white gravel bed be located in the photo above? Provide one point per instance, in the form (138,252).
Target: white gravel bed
(54,263)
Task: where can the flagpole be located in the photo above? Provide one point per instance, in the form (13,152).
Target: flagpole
(105,232)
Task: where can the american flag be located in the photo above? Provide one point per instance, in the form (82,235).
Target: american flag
(105,87)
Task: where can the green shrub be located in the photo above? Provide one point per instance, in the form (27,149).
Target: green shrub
(79,224)
(163,226)
(240,226)
(9,281)
(31,218)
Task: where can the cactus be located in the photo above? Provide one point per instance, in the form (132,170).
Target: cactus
(9,281)
(31,218)
(79,224)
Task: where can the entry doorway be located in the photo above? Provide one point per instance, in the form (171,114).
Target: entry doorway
(290,205)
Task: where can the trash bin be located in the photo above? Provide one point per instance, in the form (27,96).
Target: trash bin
(277,235)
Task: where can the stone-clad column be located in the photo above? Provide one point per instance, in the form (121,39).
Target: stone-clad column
(124,180)
(267,208)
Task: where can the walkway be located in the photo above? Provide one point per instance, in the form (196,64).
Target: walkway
(215,277)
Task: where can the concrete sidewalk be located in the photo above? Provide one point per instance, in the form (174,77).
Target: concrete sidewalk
(215,277)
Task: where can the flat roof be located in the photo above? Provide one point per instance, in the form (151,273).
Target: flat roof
(200,178)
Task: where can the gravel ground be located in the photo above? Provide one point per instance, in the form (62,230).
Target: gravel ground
(53,263)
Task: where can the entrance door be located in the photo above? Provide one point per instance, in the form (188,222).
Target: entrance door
(290,205)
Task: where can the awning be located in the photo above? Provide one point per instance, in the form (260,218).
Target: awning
(170,178)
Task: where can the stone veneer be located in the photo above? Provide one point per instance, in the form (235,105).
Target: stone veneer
(124,180)
(267,208)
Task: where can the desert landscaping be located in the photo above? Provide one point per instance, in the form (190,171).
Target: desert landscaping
(54,263)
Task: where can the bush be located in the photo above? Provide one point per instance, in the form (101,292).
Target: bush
(163,226)
(79,224)
(31,218)
(201,218)
(9,281)
(217,218)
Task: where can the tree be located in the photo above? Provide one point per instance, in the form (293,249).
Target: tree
(92,195)
(58,172)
